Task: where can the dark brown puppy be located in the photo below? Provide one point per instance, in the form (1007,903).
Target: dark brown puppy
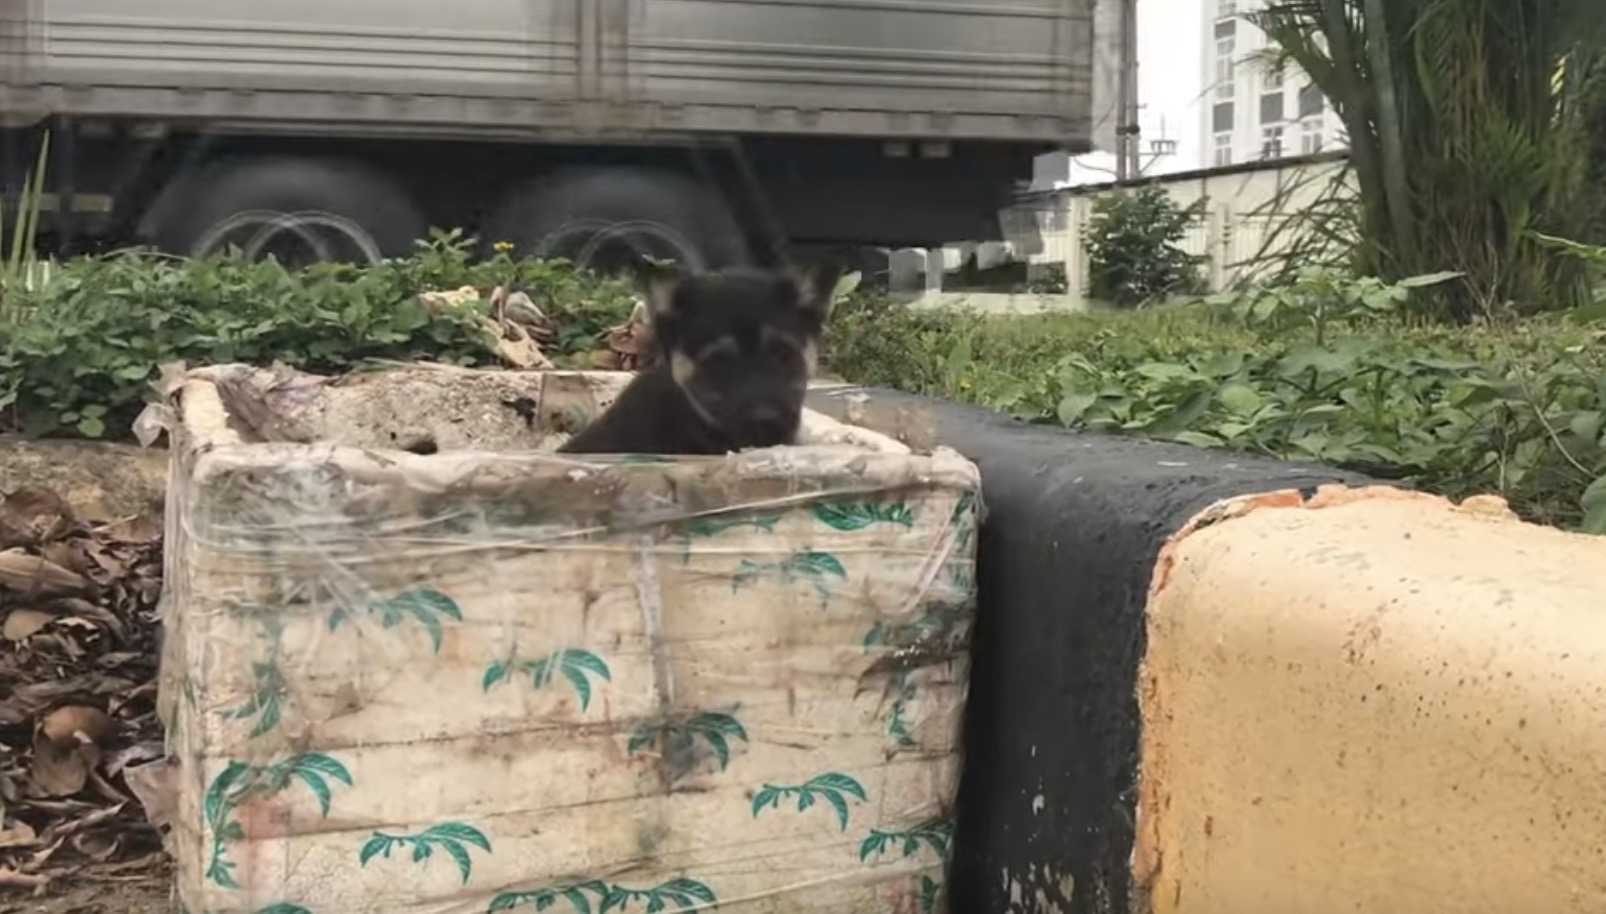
(735,352)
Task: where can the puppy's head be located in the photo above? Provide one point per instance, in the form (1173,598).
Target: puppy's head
(742,344)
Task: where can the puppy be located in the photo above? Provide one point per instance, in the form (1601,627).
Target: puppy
(735,350)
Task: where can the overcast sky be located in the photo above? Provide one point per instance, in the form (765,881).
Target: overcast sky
(1169,39)
(1170,33)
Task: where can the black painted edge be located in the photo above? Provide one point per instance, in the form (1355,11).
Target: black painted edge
(1074,526)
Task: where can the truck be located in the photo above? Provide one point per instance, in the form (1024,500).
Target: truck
(711,132)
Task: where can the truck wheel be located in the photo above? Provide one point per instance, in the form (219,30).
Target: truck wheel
(607,219)
(298,210)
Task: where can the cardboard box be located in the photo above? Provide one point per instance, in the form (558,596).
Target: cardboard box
(415,662)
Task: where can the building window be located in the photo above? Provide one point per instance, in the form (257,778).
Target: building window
(1271,143)
(1273,79)
(1311,102)
(1223,156)
(1272,110)
(1221,118)
(1225,69)
(1310,139)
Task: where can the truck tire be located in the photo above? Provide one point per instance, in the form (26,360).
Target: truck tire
(604,219)
(299,210)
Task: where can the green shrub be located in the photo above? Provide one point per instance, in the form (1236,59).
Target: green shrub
(78,355)
(20,266)
(1458,411)
(1132,245)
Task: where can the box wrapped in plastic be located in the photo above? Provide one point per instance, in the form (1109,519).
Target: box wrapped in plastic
(416,662)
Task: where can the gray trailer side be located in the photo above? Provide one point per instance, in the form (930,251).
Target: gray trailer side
(932,108)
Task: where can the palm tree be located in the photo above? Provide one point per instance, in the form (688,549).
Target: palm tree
(1469,127)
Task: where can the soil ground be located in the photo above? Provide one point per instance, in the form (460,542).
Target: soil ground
(142,894)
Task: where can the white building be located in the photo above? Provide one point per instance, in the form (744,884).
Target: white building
(1253,111)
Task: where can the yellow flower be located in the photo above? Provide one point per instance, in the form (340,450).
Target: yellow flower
(503,247)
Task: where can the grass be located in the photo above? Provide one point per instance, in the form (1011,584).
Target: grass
(1518,409)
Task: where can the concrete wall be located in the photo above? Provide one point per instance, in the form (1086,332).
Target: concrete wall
(1378,698)
(1205,683)
(1243,207)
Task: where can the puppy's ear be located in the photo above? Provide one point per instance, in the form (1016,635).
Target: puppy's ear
(659,280)
(816,288)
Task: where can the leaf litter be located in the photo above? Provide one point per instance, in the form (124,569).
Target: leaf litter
(79,733)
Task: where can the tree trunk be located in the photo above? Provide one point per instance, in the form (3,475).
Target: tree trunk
(1396,182)
(1355,106)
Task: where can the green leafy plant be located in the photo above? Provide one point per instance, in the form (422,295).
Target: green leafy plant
(1468,126)
(425,605)
(453,838)
(1322,299)
(1049,282)
(678,737)
(675,895)
(815,567)
(833,787)
(1133,247)
(1593,257)
(852,516)
(20,269)
(574,664)
(80,350)
(239,782)
(1507,408)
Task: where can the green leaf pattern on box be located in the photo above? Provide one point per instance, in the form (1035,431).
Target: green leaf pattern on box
(239,782)
(577,666)
(679,737)
(426,606)
(833,788)
(680,894)
(583,670)
(453,838)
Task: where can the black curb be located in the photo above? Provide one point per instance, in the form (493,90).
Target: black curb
(1073,528)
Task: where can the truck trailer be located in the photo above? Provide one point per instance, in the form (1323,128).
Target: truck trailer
(706,131)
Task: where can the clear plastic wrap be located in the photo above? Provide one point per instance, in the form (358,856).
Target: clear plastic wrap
(496,679)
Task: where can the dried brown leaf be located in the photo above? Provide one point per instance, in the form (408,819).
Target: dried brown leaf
(81,823)
(132,530)
(66,554)
(21,624)
(155,785)
(34,576)
(58,771)
(133,755)
(11,878)
(31,516)
(18,834)
(77,724)
(98,847)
